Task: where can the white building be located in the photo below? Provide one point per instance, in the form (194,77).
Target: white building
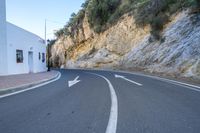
(20,50)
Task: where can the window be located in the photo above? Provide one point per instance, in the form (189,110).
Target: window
(43,57)
(19,56)
(39,56)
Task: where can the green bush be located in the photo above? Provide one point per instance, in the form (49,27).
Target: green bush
(104,13)
(99,12)
(59,33)
(157,26)
(156,13)
(196,3)
(158,22)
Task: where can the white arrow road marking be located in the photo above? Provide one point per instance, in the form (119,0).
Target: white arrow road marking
(112,123)
(123,77)
(73,82)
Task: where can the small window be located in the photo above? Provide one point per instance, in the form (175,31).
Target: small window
(19,56)
(39,56)
(43,57)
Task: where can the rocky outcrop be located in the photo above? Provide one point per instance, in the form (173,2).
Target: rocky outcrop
(127,46)
(177,55)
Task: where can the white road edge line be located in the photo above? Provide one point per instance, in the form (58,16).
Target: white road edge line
(186,85)
(112,123)
(123,77)
(31,88)
(189,86)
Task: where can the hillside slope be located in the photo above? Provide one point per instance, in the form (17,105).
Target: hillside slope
(177,55)
(127,46)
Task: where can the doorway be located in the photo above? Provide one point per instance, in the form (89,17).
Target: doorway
(30,62)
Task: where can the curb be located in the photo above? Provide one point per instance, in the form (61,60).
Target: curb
(25,86)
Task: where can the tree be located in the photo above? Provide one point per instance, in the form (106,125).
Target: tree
(59,33)
(85,4)
(100,11)
(198,3)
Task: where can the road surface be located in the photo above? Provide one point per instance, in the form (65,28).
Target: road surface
(84,101)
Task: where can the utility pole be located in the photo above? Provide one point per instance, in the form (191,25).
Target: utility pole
(45,30)
(48,65)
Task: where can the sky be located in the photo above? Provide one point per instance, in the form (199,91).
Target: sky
(31,14)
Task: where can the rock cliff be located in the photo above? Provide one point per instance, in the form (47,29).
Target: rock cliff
(127,46)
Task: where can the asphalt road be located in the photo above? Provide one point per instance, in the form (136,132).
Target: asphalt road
(103,102)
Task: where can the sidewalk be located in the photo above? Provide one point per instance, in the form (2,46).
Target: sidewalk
(25,80)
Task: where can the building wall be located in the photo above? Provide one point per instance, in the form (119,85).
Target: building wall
(20,39)
(3,44)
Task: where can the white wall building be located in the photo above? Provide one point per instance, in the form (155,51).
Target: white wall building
(20,51)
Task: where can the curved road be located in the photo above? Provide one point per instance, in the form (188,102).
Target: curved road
(84,101)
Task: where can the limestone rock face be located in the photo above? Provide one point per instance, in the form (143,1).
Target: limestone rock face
(178,55)
(127,46)
(88,33)
(58,51)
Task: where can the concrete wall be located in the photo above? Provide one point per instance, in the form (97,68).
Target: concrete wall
(3,44)
(20,39)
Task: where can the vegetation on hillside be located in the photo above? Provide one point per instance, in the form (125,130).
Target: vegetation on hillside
(104,13)
(74,23)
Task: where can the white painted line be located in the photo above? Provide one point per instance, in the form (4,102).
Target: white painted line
(189,86)
(166,80)
(123,77)
(194,86)
(73,82)
(112,123)
(186,85)
(31,88)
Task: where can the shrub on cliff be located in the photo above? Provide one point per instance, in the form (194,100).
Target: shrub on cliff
(198,3)
(59,33)
(156,13)
(157,25)
(104,13)
(100,11)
